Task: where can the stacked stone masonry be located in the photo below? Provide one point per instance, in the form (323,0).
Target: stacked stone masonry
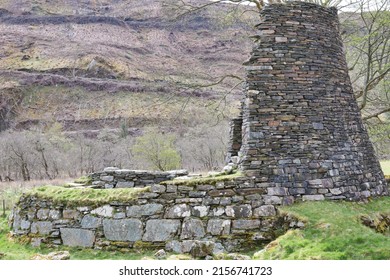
(226,216)
(113,177)
(302,132)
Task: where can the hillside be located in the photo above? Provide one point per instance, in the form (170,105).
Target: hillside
(52,49)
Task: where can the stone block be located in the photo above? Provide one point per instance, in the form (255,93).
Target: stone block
(218,226)
(124,184)
(221,192)
(91,222)
(174,246)
(122,229)
(25,224)
(70,214)
(192,228)
(54,214)
(271,199)
(104,211)
(277,191)
(77,237)
(43,228)
(43,214)
(107,178)
(314,197)
(144,210)
(239,211)
(157,188)
(161,230)
(202,248)
(200,211)
(246,224)
(178,211)
(264,211)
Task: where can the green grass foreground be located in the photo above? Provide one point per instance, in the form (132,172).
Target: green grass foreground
(333,231)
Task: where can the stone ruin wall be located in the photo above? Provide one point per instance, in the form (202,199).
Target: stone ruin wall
(218,217)
(302,132)
(112,177)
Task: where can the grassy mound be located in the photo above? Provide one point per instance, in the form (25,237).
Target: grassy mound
(85,196)
(334,230)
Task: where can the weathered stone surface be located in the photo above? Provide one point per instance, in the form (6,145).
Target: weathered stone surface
(178,211)
(25,224)
(200,211)
(107,178)
(54,214)
(246,224)
(125,184)
(174,246)
(104,211)
(202,248)
(70,214)
(43,214)
(43,228)
(161,229)
(91,222)
(77,237)
(144,210)
(157,188)
(122,229)
(192,229)
(222,192)
(218,226)
(314,197)
(61,255)
(239,211)
(264,211)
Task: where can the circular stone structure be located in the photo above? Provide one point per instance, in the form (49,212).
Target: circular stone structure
(301,131)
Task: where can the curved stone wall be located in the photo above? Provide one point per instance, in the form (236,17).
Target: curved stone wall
(302,130)
(223,216)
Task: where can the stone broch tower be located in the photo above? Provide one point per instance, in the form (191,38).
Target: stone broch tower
(300,130)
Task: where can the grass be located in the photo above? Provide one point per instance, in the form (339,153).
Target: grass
(10,191)
(85,196)
(333,231)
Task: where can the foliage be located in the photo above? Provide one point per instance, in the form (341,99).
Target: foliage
(158,150)
(85,196)
(333,231)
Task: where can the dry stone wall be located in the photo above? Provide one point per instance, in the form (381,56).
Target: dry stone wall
(302,133)
(218,217)
(112,177)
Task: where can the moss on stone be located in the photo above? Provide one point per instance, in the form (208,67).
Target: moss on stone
(210,180)
(85,196)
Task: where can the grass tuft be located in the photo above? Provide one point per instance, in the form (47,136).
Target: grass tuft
(334,231)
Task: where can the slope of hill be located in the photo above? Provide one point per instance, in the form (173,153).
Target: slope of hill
(85,48)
